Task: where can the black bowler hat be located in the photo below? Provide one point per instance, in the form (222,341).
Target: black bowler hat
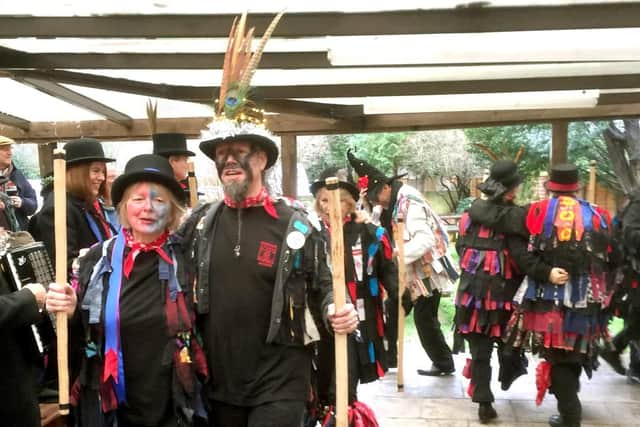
(170,144)
(503,177)
(375,178)
(344,181)
(146,168)
(84,150)
(563,178)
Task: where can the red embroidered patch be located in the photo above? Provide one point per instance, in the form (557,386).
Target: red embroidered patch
(267,254)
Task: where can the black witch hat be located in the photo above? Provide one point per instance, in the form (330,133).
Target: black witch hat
(344,181)
(375,178)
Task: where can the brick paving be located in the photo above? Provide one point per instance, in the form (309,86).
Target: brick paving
(607,399)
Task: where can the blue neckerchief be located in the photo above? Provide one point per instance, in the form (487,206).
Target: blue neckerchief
(95,229)
(549,217)
(112,314)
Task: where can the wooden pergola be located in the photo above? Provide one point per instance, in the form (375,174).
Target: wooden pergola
(337,102)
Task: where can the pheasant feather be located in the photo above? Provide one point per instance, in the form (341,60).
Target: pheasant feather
(152,115)
(255,59)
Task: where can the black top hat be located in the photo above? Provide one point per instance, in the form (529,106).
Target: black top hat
(84,150)
(170,144)
(376,179)
(146,168)
(563,178)
(208,147)
(344,181)
(503,178)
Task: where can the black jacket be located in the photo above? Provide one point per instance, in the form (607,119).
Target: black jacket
(311,283)
(19,358)
(28,195)
(79,233)
(510,220)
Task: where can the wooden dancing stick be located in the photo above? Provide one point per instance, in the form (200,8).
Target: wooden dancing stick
(591,189)
(339,299)
(398,232)
(193,185)
(60,217)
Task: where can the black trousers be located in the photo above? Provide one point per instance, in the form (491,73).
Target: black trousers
(425,315)
(326,373)
(391,330)
(634,358)
(631,330)
(565,384)
(481,347)
(281,413)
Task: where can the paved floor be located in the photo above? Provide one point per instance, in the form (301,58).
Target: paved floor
(607,399)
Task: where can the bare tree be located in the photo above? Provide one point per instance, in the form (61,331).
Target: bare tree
(443,155)
(623,146)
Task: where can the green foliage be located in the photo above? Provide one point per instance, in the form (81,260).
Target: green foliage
(505,141)
(585,143)
(25,157)
(386,151)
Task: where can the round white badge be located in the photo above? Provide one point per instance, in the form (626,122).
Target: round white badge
(295,240)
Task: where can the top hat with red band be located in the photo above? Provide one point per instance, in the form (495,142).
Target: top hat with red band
(563,178)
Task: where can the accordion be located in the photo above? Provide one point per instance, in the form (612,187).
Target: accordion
(26,264)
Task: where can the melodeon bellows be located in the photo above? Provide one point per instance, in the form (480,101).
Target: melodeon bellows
(26,264)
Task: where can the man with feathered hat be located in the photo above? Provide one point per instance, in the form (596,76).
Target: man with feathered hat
(429,268)
(259,272)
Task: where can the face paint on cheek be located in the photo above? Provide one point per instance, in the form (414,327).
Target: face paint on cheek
(242,162)
(160,210)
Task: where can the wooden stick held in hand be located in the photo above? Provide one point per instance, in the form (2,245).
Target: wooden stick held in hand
(339,299)
(398,237)
(193,185)
(60,217)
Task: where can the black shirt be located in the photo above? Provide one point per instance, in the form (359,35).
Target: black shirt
(144,337)
(245,371)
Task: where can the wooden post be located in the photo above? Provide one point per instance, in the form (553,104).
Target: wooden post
(45,158)
(398,237)
(559,131)
(60,217)
(289,159)
(193,185)
(591,189)
(339,299)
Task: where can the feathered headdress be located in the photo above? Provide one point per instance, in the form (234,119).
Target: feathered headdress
(236,115)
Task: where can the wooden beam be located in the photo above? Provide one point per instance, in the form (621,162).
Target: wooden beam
(319,24)
(316,109)
(77,99)
(306,125)
(289,162)
(12,59)
(559,141)
(44,132)
(14,121)
(204,94)
(153,61)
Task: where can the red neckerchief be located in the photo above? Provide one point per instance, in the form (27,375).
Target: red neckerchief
(137,247)
(103,222)
(262,198)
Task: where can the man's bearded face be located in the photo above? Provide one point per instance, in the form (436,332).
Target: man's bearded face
(234,169)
